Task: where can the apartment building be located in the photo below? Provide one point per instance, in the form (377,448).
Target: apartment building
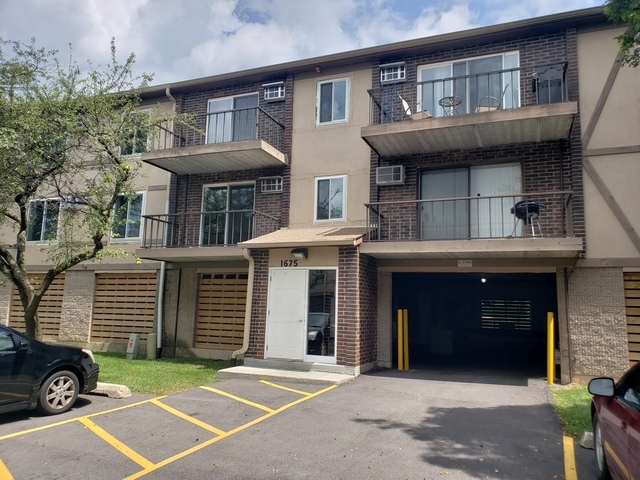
(480,180)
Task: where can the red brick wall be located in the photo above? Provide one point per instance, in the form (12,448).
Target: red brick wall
(357,308)
(259,304)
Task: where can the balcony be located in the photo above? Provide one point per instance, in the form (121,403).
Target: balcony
(532,225)
(224,141)
(201,236)
(502,107)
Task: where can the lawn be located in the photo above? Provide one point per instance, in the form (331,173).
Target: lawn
(158,377)
(572,404)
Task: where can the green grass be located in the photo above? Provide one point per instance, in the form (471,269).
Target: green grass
(572,404)
(158,377)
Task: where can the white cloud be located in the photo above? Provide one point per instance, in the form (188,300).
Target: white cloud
(194,38)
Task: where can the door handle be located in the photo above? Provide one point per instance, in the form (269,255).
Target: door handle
(300,321)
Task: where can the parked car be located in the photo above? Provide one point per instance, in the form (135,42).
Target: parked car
(37,375)
(615,410)
(318,332)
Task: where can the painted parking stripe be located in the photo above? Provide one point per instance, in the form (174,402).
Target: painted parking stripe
(227,434)
(188,418)
(71,420)
(569,459)
(239,399)
(117,444)
(5,474)
(281,387)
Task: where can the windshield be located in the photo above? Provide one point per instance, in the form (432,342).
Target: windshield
(317,319)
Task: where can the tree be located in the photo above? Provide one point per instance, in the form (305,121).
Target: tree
(626,12)
(63,135)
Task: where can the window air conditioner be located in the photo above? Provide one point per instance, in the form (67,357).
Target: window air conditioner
(393,175)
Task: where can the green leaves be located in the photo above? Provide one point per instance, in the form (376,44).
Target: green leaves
(626,12)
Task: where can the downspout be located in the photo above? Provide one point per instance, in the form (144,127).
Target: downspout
(247,314)
(163,264)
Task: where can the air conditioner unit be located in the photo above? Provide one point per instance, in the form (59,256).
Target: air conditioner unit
(393,175)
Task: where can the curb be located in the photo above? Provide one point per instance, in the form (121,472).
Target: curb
(112,390)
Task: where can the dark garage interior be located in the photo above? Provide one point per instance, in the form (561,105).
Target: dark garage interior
(474,320)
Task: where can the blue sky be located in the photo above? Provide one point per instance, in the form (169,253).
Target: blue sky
(182,39)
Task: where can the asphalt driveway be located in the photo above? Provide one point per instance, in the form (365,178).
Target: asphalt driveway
(400,425)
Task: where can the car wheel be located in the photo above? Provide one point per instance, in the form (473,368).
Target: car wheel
(598,447)
(58,393)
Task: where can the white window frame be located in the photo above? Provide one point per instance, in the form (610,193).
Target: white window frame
(333,82)
(114,236)
(274,91)
(229,113)
(393,73)
(344,199)
(43,235)
(134,153)
(228,186)
(516,88)
(271,184)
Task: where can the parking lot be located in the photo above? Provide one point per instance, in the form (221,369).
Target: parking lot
(383,425)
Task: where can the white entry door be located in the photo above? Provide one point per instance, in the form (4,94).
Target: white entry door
(286,314)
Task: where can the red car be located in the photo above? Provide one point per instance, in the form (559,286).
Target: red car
(615,410)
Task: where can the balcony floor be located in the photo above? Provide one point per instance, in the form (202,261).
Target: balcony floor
(217,157)
(479,130)
(507,248)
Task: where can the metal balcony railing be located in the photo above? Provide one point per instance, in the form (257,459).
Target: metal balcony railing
(544,214)
(221,127)
(466,94)
(205,229)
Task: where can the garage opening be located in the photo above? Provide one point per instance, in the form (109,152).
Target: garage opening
(490,321)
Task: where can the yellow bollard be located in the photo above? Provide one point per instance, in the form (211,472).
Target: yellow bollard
(551,349)
(400,341)
(406,338)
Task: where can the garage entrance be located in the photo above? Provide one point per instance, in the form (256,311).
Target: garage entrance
(495,321)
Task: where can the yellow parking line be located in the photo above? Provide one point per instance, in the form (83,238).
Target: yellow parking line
(5,474)
(239,399)
(117,444)
(299,392)
(64,422)
(227,434)
(569,459)
(188,418)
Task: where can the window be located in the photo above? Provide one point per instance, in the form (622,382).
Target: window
(127,217)
(232,119)
(273,91)
(332,101)
(43,220)
(138,140)
(392,73)
(227,217)
(474,215)
(271,184)
(475,81)
(331,198)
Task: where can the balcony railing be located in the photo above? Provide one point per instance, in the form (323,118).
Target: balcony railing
(460,95)
(221,127)
(205,229)
(546,214)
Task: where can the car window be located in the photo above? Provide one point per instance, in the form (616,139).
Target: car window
(6,343)
(631,388)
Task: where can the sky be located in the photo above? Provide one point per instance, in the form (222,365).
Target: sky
(185,39)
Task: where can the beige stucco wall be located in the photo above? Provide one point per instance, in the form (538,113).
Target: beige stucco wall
(329,149)
(618,126)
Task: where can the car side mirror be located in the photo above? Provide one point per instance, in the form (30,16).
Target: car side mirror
(604,387)
(24,346)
